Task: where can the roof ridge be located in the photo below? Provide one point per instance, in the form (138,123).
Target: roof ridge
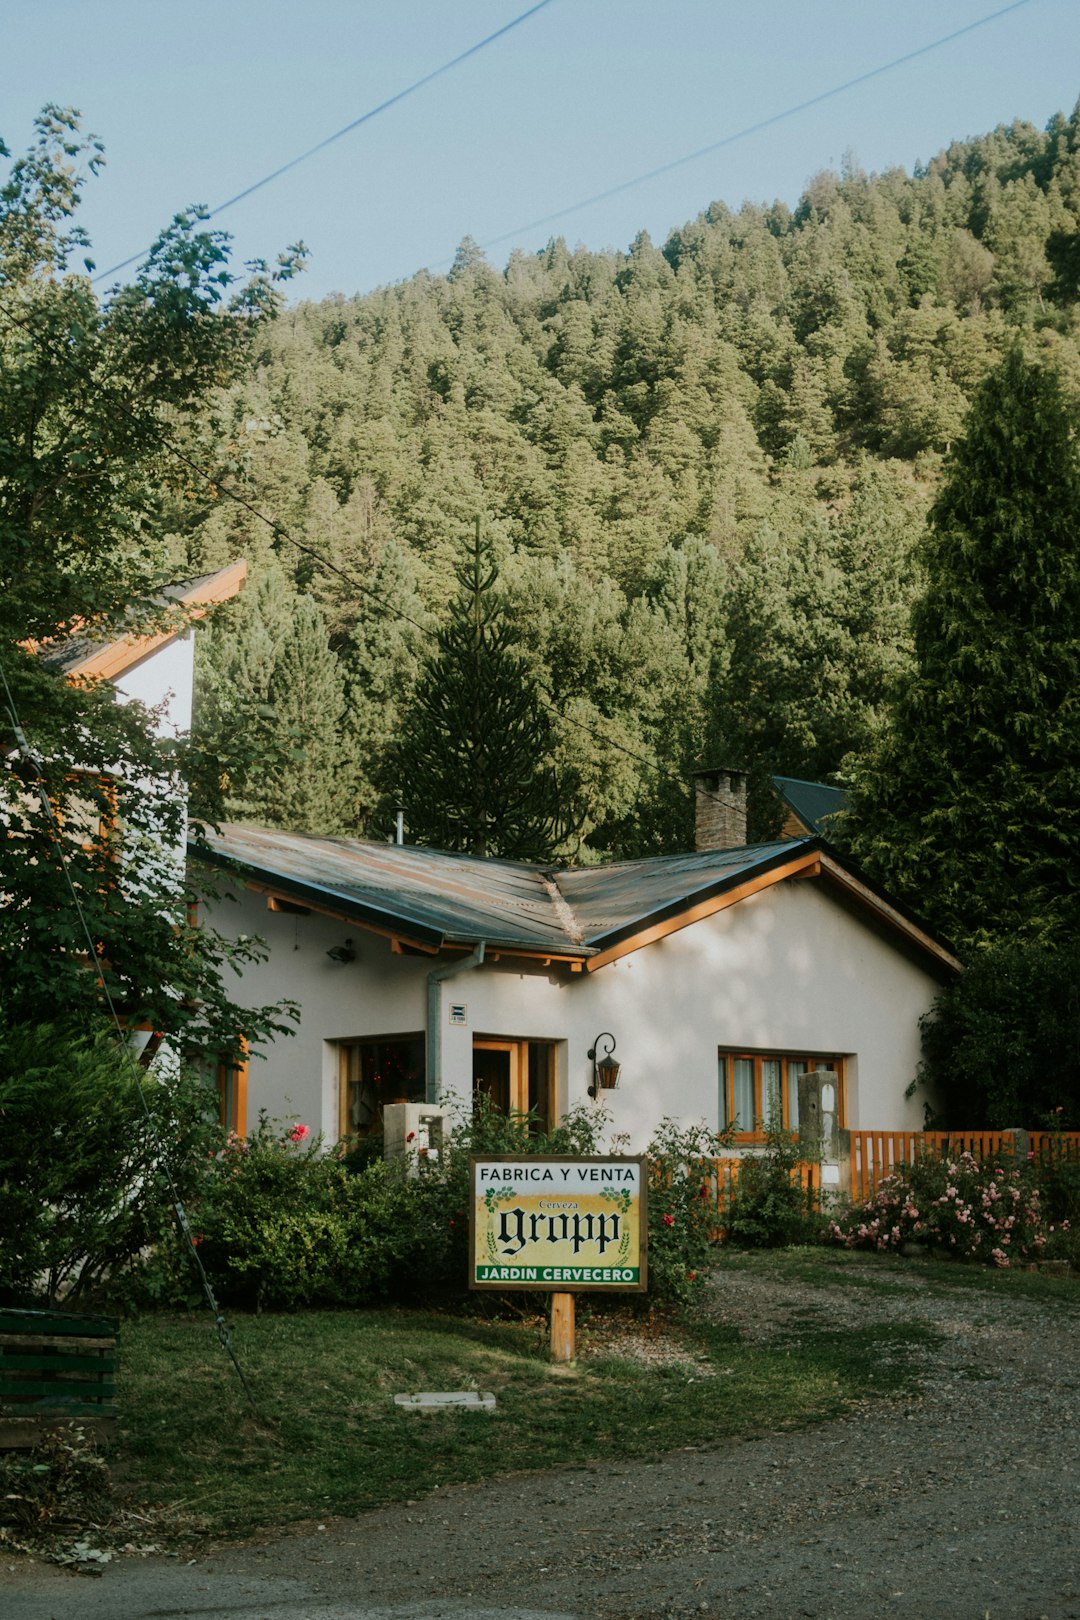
(563,909)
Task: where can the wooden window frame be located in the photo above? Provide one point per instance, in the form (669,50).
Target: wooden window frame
(729,1055)
(232,1084)
(519,1072)
(344,1047)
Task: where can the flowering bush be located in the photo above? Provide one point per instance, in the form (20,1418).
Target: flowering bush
(682,1210)
(280,1225)
(990,1212)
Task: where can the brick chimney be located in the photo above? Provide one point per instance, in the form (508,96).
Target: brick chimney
(719,809)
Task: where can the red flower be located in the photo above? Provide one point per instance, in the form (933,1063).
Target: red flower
(669,1220)
(411,1137)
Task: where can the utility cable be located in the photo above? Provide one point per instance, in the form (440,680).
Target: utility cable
(751,129)
(33,761)
(280,532)
(364,118)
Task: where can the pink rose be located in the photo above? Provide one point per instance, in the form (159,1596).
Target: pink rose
(299,1133)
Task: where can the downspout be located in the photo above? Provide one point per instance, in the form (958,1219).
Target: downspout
(434,1016)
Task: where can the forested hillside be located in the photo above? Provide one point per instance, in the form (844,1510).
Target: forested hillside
(703,466)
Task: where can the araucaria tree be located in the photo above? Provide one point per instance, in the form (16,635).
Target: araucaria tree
(471,763)
(106,406)
(970,806)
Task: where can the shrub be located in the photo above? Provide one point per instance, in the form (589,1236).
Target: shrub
(281,1225)
(999,1046)
(682,1210)
(769,1207)
(82,1185)
(991,1212)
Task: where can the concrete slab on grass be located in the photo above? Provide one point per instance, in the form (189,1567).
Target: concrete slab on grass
(463,1400)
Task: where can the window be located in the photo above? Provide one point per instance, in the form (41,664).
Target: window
(232,1083)
(517,1077)
(759,1091)
(372,1073)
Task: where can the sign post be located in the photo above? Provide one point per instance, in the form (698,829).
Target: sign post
(559,1224)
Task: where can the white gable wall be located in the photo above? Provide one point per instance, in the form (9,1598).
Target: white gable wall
(788,970)
(165,675)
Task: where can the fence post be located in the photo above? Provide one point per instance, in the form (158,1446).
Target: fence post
(819,1131)
(1021,1145)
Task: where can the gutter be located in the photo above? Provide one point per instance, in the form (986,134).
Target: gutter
(433,1045)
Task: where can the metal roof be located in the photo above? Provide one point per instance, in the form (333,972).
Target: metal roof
(611,902)
(813,802)
(434,898)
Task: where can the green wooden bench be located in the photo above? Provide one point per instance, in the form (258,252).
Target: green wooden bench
(55,1367)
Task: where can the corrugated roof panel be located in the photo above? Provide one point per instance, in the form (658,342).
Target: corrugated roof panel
(613,899)
(442,897)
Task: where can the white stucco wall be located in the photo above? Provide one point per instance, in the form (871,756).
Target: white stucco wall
(165,675)
(788,970)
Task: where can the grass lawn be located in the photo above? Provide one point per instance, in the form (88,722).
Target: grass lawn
(329,1440)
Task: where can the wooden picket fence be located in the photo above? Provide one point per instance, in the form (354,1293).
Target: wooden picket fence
(725,1179)
(877,1154)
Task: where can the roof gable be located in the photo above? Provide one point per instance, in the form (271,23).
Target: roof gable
(87,658)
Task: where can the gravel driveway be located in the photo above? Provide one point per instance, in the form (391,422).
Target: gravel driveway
(961,1502)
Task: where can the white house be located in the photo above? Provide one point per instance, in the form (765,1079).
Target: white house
(715,979)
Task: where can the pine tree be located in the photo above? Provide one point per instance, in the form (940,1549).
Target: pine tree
(970,805)
(471,761)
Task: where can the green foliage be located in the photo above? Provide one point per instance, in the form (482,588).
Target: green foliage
(1000,1045)
(682,1210)
(102,406)
(470,761)
(82,1184)
(712,454)
(280,1225)
(970,805)
(769,1207)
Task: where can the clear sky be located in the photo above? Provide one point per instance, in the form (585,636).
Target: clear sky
(195,101)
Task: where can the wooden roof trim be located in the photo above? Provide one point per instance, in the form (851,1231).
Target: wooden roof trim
(805,865)
(866,896)
(106,663)
(396,935)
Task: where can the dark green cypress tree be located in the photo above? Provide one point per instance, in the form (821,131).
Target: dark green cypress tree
(970,806)
(471,764)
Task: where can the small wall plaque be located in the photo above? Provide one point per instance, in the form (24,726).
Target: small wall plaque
(459,1013)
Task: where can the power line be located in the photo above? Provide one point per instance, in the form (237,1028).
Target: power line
(364,118)
(391,611)
(752,129)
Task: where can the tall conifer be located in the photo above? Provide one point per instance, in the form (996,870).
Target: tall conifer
(471,762)
(970,807)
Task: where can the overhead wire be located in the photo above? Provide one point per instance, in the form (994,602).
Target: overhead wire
(347,129)
(751,129)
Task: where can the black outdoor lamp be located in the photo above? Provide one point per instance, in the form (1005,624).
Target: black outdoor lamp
(605,1073)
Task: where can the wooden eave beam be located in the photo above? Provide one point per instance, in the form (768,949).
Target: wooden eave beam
(396,937)
(861,892)
(109,662)
(802,865)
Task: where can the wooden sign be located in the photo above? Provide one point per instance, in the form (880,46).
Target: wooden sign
(561,1224)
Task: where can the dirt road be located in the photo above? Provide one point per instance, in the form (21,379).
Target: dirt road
(959,1503)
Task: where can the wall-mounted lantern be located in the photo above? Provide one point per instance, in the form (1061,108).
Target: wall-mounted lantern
(605,1070)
